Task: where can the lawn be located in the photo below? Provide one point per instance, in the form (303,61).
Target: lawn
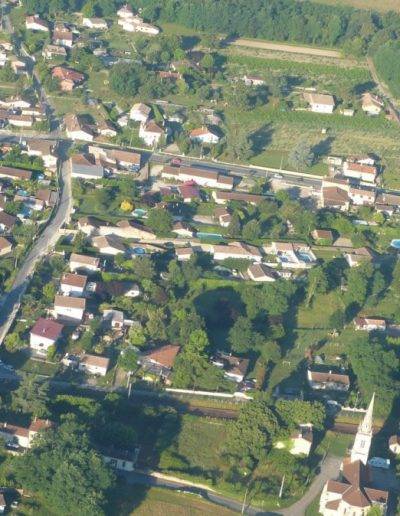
(156,501)
(196,449)
(312,509)
(336,444)
(313,316)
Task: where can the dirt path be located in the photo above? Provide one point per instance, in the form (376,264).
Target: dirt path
(281,47)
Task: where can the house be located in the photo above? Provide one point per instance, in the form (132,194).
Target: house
(93,364)
(15,173)
(223,217)
(184,253)
(21,436)
(253,80)
(5,246)
(20,120)
(125,12)
(72,284)
(18,65)
(355,170)
(51,51)
(357,256)
(89,225)
(117,288)
(63,36)
(85,167)
(95,23)
(120,460)
(237,250)
(362,197)
(106,128)
(322,236)
(301,440)
(160,361)
(335,197)
(131,229)
(36,23)
(235,368)
(140,112)
(78,130)
(47,196)
(204,135)
(3,504)
(261,272)
(320,103)
(69,78)
(394,444)
(222,197)
(369,324)
(84,263)
(202,177)
(44,149)
(291,255)
(45,333)
(387,203)
(151,133)
(371,104)
(328,381)
(134,23)
(189,192)
(352,492)
(127,159)
(114,318)
(109,245)
(7,222)
(69,308)
(183,230)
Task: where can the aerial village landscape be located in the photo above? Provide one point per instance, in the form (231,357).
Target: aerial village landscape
(199,257)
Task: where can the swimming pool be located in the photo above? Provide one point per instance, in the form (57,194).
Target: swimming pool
(139,250)
(215,237)
(395,243)
(139,213)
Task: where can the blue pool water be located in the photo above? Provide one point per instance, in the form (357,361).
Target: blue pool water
(139,250)
(395,243)
(139,212)
(216,237)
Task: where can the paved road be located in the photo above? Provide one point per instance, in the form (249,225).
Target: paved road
(281,47)
(329,469)
(9,304)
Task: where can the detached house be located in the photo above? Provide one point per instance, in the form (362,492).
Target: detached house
(7,222)
(70,309)
(262,273)
(63,36)
(204,135)
(73,284)
(369,324)
(140,112)
(45,333)
(160,361)
(84,263)
(109,245)
(357,256)
(44,149)
(202,177)
(328,381)
(94,364)
(36,23)
(95,23)
(68,78)
(51,51)
(235,368)
(151,133)
(371,104)
(320,103)
(5,246)
(21,436)
(78,130)
(359,171)
(237,250)
(85,167)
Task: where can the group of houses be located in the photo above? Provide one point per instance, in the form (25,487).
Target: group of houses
(324,103)
(131,22)
(21,113)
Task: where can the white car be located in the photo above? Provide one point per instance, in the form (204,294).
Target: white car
(379,462)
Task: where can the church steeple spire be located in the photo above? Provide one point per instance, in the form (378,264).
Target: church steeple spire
(362,442)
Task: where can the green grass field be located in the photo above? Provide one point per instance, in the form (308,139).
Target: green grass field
(141,501)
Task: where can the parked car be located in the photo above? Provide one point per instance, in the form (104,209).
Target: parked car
(176,162)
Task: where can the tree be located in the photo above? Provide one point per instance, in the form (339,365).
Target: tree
(143,267)
(317,283)
(337,319)
(297,412)
(155,326)
(235,226)
(137,336)
(125,79)
(301,156)
(13,342)
(31,396)
(241,335)
(278,85)
(49,291)
(251,230)
(128,359)
(160,221)
(62,461)
(250,436)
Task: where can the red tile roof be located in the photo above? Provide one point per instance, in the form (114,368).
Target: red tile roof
(47,328)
